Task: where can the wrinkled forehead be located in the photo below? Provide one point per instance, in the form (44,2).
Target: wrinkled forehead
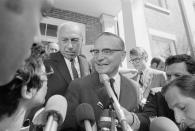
(134,56)
(107,42)
(177,68)
(70,29)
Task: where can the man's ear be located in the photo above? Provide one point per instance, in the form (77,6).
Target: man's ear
(28,94)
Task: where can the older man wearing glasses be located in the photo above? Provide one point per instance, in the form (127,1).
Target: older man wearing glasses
(146,77)
(108,52)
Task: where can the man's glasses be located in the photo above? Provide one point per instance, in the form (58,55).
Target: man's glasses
(136,60)
(105,52)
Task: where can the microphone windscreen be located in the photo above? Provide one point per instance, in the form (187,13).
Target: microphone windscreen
(84,112)
(163,124)
(57,104)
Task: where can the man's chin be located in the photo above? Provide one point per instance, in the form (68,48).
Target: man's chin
(101,71)
(69,56)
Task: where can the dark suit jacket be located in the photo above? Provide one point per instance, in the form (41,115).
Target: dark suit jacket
(59,81)
(90,90)
(155,106)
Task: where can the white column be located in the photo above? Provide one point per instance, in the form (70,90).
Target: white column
(108,23)
(135,28)
(187,12)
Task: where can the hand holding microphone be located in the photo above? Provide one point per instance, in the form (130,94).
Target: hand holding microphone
(85,116)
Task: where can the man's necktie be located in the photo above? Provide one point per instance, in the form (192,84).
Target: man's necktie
(112,86)
(141,78)
(74,71)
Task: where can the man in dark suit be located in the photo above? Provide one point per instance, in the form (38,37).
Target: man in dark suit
(156,105)
(147,77)
(108,54)
(67,64)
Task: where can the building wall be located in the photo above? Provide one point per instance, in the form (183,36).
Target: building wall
(170,22)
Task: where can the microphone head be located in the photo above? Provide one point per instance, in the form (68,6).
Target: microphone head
(163,124)
(57,104)
(103,78)
(85,112)
(105,119)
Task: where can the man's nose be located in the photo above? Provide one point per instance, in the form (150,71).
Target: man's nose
(100,56)
(69,44)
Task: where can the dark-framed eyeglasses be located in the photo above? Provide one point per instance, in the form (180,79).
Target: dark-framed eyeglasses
(105,51)
(136,60)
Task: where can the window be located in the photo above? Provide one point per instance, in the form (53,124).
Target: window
(162,44)
(48,29)
(162,47)
(160,3)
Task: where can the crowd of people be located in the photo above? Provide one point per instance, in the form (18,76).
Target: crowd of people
(29,76)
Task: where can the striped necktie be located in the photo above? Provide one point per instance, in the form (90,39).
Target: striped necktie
(112,86)
(74,71)
(141,78)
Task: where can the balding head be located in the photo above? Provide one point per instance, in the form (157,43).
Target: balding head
(70,39)
(70,28)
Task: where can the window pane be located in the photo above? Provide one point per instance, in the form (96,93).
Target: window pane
(160,3)
(42,28)
(162,47)
(52,30)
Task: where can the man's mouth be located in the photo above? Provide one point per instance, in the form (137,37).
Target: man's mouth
(100,64)
(70,53)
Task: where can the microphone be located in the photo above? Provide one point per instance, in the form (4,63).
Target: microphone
(163,124)
(85,114)
(55,112)
(120,114)
(107,122)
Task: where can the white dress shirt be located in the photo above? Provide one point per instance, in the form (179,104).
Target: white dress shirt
(76,64)
(117,84)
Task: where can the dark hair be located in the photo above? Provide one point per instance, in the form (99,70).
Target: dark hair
(138,51)
(187,59)
(156,60)
(185,83)
(28,74)
(113,35)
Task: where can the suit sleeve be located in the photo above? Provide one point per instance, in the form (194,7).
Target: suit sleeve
(149,110)
(72,96)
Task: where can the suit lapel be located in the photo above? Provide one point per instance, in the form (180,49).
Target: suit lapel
(62,67)
(83,65)
(125,91)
